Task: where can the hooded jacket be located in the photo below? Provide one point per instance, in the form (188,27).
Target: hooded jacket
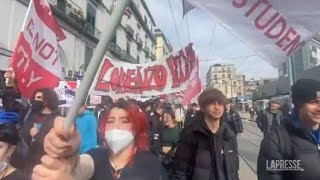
(203,155)
(304,149)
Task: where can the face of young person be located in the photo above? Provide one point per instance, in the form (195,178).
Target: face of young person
(118,119)
(310,112)
(214,110)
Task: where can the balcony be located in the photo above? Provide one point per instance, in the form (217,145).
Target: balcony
(153,57)
(147,50)
(114,48)
(129,30)
(73,16)
(139,42)
(71,10)
(93,30)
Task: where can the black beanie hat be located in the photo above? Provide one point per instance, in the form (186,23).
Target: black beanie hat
(304,90)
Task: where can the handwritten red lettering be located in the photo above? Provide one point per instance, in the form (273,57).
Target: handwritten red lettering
(274,25)
(240,4)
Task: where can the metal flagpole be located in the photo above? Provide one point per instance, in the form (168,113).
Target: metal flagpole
(290,72)
(95,62)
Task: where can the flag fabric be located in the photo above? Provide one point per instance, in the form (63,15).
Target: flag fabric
(35,59)
(194,88)
(274,29)
(127,13)
(186,7)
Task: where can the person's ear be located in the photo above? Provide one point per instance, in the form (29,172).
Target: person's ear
(11,150)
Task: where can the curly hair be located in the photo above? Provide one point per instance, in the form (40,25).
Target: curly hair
(136,117)
(50,98)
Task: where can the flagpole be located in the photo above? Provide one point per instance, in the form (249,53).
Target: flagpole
(95,62)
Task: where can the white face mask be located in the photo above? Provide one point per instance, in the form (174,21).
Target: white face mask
(118,139)
(3,166)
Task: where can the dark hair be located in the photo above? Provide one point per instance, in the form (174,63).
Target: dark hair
(272,102)
(210,96)
(50,98)
(194,105)
(9,133)
(170,112)
(158,105)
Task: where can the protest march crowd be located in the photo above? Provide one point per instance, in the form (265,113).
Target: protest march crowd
(129,139)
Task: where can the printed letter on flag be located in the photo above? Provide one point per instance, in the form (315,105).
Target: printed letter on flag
(193,89)
(274,29)
(35,59)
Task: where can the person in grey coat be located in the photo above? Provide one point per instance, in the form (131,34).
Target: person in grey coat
(269,118)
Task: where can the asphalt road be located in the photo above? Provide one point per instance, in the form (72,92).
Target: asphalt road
(249,144)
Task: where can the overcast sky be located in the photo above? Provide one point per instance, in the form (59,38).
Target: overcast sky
(224,45)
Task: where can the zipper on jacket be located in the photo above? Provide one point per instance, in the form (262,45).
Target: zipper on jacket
(318,146)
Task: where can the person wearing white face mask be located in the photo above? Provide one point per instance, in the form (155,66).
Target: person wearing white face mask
(127,156)
(9,137)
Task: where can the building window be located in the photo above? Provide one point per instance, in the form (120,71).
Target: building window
(229,76)
(114,39)
(88,55)
(138,58)
(128,47)
(91,18)
(223,76)
(145,19)
(215,76)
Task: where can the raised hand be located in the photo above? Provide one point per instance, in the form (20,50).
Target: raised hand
(61,144)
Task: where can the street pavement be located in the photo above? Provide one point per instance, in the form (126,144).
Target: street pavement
(249,146)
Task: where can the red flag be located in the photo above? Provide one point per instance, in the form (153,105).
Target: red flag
(35,59)
(194,88)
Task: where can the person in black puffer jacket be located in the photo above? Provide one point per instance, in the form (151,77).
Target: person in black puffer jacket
(298,141)
(233,119)
(207,149)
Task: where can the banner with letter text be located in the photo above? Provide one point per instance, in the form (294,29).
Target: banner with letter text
(36,60)
(273,28)
(121,79)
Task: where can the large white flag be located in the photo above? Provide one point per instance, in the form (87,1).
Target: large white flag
(273,28)
(36,60)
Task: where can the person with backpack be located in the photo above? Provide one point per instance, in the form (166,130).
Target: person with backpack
(207,150)
(295,147)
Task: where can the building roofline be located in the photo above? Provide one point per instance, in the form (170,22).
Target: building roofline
(148,11)
(158,32)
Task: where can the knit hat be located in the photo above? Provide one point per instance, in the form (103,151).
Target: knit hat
(304,90)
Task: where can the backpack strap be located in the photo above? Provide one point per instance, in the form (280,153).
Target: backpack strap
(284,142)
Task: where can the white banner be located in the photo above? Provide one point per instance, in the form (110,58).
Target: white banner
(120,79)
(273,28)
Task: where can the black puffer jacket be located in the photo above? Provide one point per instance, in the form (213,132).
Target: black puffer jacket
(234,121)
(155,127)
(202,155)
(302,147)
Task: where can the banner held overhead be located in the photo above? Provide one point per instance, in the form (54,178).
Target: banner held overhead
(120,79)
(273,28)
